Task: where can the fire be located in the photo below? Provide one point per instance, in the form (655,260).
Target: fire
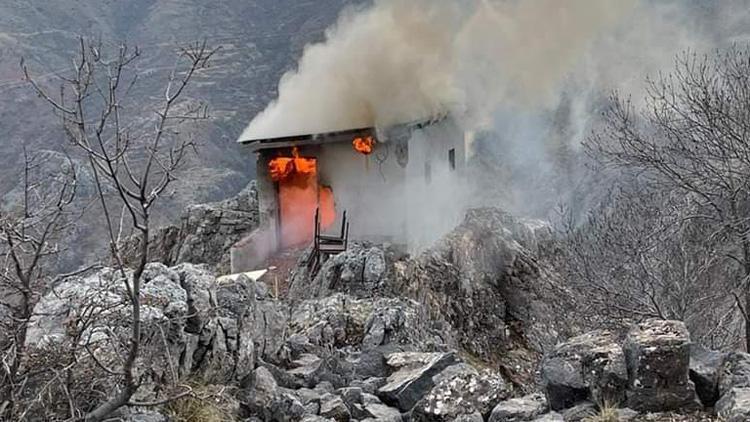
(364,145)
(327,207)
(281,168)
(300,194)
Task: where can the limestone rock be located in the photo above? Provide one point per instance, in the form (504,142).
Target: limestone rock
(191,326)
(579,412)
(735,372)
(461,395)
(316,418)
(705,368)
(381,413)
(549,417)
(413,377)
(361,271)
(734,405)
(333,407)
(489,288)
(269,402)
(587,367)
(658,359)
(519,409)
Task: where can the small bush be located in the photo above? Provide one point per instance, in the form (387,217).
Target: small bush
(607,413)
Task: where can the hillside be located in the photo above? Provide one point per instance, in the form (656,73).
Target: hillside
(259,41)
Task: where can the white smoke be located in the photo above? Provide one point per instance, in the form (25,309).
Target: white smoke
(400,60)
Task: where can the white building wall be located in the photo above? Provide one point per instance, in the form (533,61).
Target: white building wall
(436,195)
(369,187)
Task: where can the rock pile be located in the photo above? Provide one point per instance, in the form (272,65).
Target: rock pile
(654,369)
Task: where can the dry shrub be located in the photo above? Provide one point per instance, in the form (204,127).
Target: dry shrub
(607,413)
(209,403)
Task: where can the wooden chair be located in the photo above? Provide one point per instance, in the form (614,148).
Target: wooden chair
(327,245)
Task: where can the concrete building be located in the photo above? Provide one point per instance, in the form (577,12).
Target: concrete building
(402,185)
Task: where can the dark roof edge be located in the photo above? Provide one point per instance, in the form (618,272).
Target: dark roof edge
(330,137)
(309,137)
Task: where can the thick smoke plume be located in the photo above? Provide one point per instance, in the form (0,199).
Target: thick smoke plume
(400,60)
(529,76)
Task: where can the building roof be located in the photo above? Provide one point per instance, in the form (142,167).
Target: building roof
(347,135)
(308,139)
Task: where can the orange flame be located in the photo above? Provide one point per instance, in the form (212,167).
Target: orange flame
(327,207)
(283,167)
(364,145)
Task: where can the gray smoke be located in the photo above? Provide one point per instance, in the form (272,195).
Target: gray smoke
(400,60)
(531,75)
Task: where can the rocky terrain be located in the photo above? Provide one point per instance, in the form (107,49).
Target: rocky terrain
(473,329)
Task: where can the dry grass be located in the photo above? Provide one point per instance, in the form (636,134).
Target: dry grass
(208,404)
(607,413)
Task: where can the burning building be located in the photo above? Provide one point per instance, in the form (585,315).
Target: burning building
(401,185)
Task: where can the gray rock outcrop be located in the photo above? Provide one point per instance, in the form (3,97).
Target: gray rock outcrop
(483,280)
(191,325)
(362,271)
(205,234)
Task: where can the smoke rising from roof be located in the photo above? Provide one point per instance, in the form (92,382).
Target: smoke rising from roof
(401,60)
(530,76)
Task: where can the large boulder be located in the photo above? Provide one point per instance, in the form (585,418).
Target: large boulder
(734,406)
(519,409)
(705,368)
(658,358)
(587,367)
(412,378)
(735,372)
(461,394)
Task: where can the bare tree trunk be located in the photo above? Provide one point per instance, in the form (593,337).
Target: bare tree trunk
(131,384)
(746,264)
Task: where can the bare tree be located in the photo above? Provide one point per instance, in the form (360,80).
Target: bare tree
(637,256)
(692,139)
(30,240)
(133,162)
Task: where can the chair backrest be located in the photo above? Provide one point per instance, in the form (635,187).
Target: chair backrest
(316,236)
(343,225)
